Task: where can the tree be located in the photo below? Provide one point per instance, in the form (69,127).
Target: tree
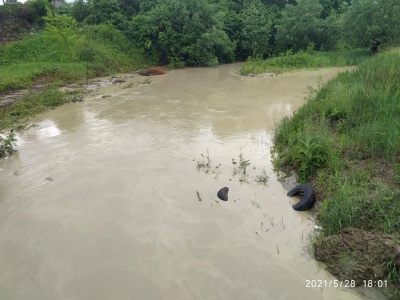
(80,10)
(62,31)
(213,47)
(279,3)
(253,39)
(176,30)
(101,11)
(301,25)
(330,7)
(372,23)
(38,9)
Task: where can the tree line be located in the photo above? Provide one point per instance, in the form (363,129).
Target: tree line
(208,32)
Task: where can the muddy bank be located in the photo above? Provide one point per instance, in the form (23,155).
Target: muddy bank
(357,254)
(123,80)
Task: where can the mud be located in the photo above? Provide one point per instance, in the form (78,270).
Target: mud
(357,254)
(123,80)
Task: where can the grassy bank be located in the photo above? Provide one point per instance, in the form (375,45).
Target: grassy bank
(14,116)
(345,141)
(100,50)
(304,59)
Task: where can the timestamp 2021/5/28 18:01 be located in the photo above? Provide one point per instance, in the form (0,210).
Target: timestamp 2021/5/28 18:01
(375,283)
(312,283)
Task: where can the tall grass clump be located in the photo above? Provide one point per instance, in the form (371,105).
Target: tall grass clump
(343,210)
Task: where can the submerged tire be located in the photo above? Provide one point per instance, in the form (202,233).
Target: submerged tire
(307,201)
(223,193)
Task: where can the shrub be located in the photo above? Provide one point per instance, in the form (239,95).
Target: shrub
(7,145)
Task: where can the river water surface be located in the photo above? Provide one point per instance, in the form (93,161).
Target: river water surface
(105,200)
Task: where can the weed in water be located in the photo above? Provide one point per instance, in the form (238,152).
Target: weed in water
(7,145)
(234,163)
(242,165)
(205,164)
(262,178)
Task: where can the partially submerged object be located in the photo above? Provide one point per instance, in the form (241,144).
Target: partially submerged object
(223,193)
(153,71)
(307,201)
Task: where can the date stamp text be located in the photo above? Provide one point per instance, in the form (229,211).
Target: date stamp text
(319,283)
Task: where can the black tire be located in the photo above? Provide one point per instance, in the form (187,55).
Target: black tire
(223,194)
(307,201)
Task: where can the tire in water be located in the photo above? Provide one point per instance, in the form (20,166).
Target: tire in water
(307,201)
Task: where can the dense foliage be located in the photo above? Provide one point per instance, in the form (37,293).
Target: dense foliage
(208,32)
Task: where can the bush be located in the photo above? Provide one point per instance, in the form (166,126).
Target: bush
(7,145)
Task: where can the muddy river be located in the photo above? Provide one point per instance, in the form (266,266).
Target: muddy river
(115,197)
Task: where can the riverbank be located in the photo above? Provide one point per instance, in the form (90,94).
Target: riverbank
(345,141)
(101,51)
(290,61)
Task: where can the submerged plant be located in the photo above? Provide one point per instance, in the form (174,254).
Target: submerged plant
(7,145)
(243,163)
(262,178)
(205,163)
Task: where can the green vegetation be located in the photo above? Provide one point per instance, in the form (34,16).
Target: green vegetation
(104,36)
(346,141)
(7,145)
(15,116)
(290,61)
(64,53)
(39,59)
(241,165)
(262,178)
(205,164)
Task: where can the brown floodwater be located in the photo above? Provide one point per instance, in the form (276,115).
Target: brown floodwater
(104,199)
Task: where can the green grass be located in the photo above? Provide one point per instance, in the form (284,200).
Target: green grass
(14,116)
(354,117)
(304,59)
(345,141)
(23,75)
(35,60)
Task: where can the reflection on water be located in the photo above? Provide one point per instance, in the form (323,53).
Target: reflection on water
(102,200)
